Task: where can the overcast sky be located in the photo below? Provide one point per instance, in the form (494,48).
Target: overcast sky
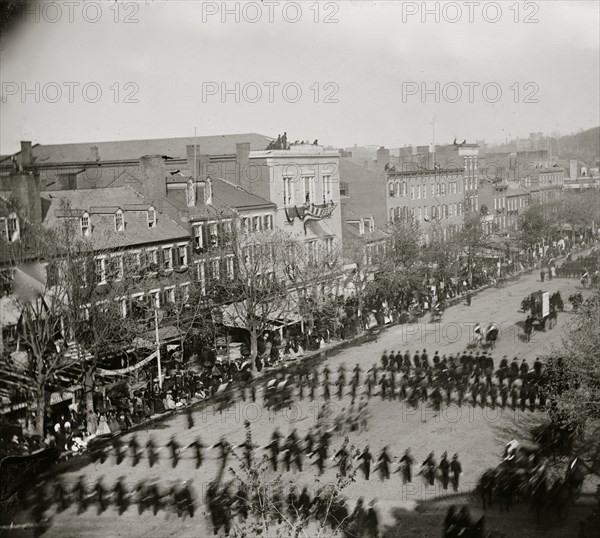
(356,66)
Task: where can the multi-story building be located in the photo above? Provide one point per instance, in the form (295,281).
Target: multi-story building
(364,184)
(517,201)
(463,155)
(432,198)
(304,184)
(493,205)
(545,184)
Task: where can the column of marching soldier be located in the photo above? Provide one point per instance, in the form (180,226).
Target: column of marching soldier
(397,378)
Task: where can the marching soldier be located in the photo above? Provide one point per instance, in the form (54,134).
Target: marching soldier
(173,445)
(514,397)
(225,450)
(321,453)
(60,496)
(273,446)
(383,462)
(406,462)
(190,416)
(384,360)
(197,445)
(153,497)
(80,491)
(503,395)
(456,469)
(444,468)
(117,445)
(100,491)
(134,446)
(428,468)
(342,457)
(366,458)
(120,495)
(152,454)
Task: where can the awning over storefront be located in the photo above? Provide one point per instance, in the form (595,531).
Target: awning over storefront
(128,370)
(277,318)
(166,334)
(320,228)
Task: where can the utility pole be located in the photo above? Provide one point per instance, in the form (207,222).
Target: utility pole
(157,348)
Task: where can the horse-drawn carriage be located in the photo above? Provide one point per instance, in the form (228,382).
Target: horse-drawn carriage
(278,394)
(223,396)
(484,338)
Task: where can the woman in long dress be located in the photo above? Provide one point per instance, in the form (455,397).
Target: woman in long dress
(92,422)
(103,428)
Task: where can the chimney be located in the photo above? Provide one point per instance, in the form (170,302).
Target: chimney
(383,156)
(154,178)
(95,153)
(573,169)
(26,155)
(242,157)
(199,165)
(26,192)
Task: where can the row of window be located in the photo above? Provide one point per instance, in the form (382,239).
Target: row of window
(85,221)
(166,258)
(257,223)
(213,234)
(398,189)
(441,211)
(308,193)
(374,252)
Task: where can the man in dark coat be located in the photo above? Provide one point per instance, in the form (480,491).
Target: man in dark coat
(120,495)
(444,468)
(173,445)
(456,469)
(406,462)
(366,458)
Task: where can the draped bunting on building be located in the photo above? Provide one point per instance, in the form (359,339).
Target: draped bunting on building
(309,212)
(129,369)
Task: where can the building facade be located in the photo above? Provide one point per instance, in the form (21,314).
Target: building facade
(432,198)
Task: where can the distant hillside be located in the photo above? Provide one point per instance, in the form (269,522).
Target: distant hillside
(584,146)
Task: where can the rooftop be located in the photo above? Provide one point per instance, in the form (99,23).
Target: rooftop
(73,203)
(126,150)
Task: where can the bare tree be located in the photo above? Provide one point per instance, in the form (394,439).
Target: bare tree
(313,278)
(248,280)
(57,293)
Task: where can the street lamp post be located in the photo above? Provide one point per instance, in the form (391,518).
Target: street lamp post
(158,348)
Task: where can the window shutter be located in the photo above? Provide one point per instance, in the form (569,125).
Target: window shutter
(205,236)
(223,268)
(175,251)
(188,251)
(161,258)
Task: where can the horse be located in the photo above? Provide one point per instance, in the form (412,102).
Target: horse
(491,335)
(486,486)
(574,477)
(558,499)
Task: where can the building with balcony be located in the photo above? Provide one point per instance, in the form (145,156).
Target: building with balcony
(304,184)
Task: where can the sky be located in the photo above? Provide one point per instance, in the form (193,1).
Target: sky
(345,72)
